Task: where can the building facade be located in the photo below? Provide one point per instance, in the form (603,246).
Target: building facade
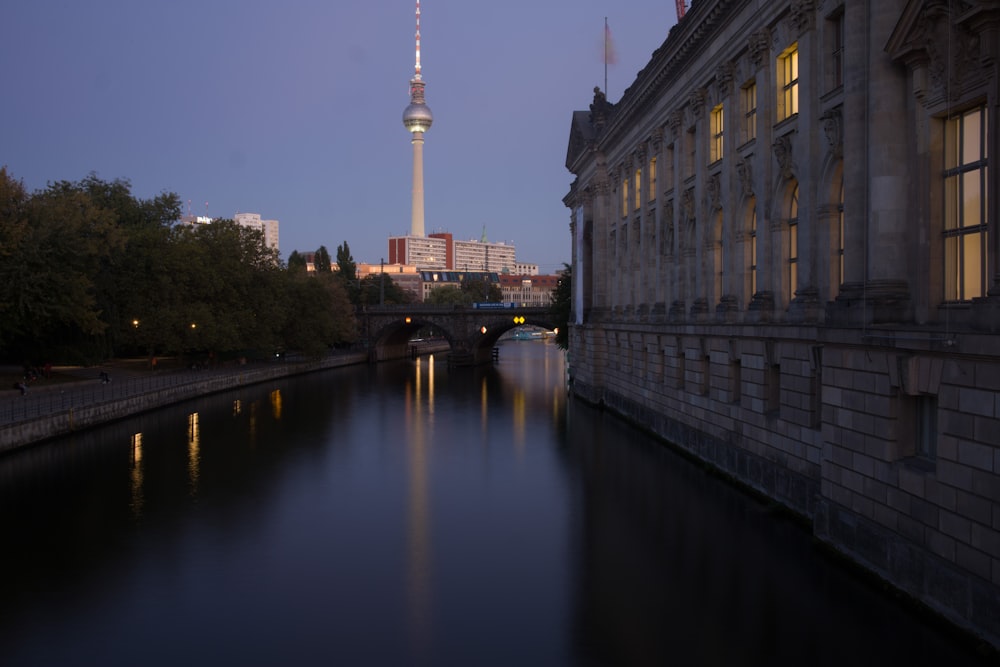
(440,251)
(528,290)
(785,261)
(269,228)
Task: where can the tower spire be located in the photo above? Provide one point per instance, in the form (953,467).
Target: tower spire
(416,74)
(417,118)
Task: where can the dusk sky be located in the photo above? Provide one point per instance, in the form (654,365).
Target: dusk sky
(293,109)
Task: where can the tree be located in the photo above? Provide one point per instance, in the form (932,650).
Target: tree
(481,290)
(56,245)
(448,295)
(296,262)
(562,306)
(319,315)
(321,262)
(347,269)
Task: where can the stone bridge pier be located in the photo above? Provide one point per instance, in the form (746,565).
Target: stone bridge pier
(471,331)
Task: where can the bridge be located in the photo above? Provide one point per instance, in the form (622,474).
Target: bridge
(471,331)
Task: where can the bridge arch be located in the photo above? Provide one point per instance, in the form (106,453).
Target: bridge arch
(471,332)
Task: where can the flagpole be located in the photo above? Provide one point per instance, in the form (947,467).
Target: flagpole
(605,56)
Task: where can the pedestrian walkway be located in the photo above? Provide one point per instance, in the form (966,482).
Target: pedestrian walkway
(74,397)
(66,387)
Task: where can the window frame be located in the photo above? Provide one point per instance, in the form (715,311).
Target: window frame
(961,238)
(787,70)
(718,130)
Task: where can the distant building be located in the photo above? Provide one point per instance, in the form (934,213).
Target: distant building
(425,252)
(196,220)
(440,251)
(268,227)
(522,269)
(433,279)
(528,290)
(404,276)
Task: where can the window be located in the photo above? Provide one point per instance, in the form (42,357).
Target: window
(793,243)
(788,83)
(749,112)
(717,133)
(625,197)
(772,389)
(965,218)
(668,166)
(918,426)
(637,180)
(840,236)
(926,426)
(753,247)
(836,25)
(652,179)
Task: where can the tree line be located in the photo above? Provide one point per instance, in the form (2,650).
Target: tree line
(90,272)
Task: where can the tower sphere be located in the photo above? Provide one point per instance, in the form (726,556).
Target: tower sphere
(418,117)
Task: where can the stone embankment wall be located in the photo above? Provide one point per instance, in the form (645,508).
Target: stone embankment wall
(63,421)
(889,444)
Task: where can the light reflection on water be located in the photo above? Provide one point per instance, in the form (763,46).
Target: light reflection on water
(413,514)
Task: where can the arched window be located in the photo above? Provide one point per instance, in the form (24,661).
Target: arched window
(793,242)
(637,181)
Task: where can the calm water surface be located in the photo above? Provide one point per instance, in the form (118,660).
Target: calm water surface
(408,514)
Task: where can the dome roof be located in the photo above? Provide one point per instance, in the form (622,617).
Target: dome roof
(418,117)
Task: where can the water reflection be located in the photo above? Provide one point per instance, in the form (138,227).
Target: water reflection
(136,475)
(418,514)
(410,514)
(194,452)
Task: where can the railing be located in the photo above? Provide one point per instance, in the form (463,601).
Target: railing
(41,401)
(46,400)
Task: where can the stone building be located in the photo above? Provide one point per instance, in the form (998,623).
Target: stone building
(785,260)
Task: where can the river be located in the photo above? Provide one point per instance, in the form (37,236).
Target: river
(411,514)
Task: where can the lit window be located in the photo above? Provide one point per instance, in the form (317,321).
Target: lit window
(793,243)
(749,112)
(788,83)
(717,133)
(625,197)
(965,217)
(637,180)
(652,179)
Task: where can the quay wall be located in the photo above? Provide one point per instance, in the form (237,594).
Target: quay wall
(829,425)
(89,414)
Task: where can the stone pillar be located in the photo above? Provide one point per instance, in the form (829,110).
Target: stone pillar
(761,306)
(986,310)
(877,208)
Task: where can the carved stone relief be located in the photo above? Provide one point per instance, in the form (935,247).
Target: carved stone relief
(783,153)
(802,15)
(744,172)
(833,128)
(759,46)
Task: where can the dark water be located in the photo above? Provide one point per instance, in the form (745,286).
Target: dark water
(413,515)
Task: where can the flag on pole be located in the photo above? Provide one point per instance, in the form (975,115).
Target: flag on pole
(610,57)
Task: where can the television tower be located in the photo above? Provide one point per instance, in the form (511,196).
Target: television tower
(417,119)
